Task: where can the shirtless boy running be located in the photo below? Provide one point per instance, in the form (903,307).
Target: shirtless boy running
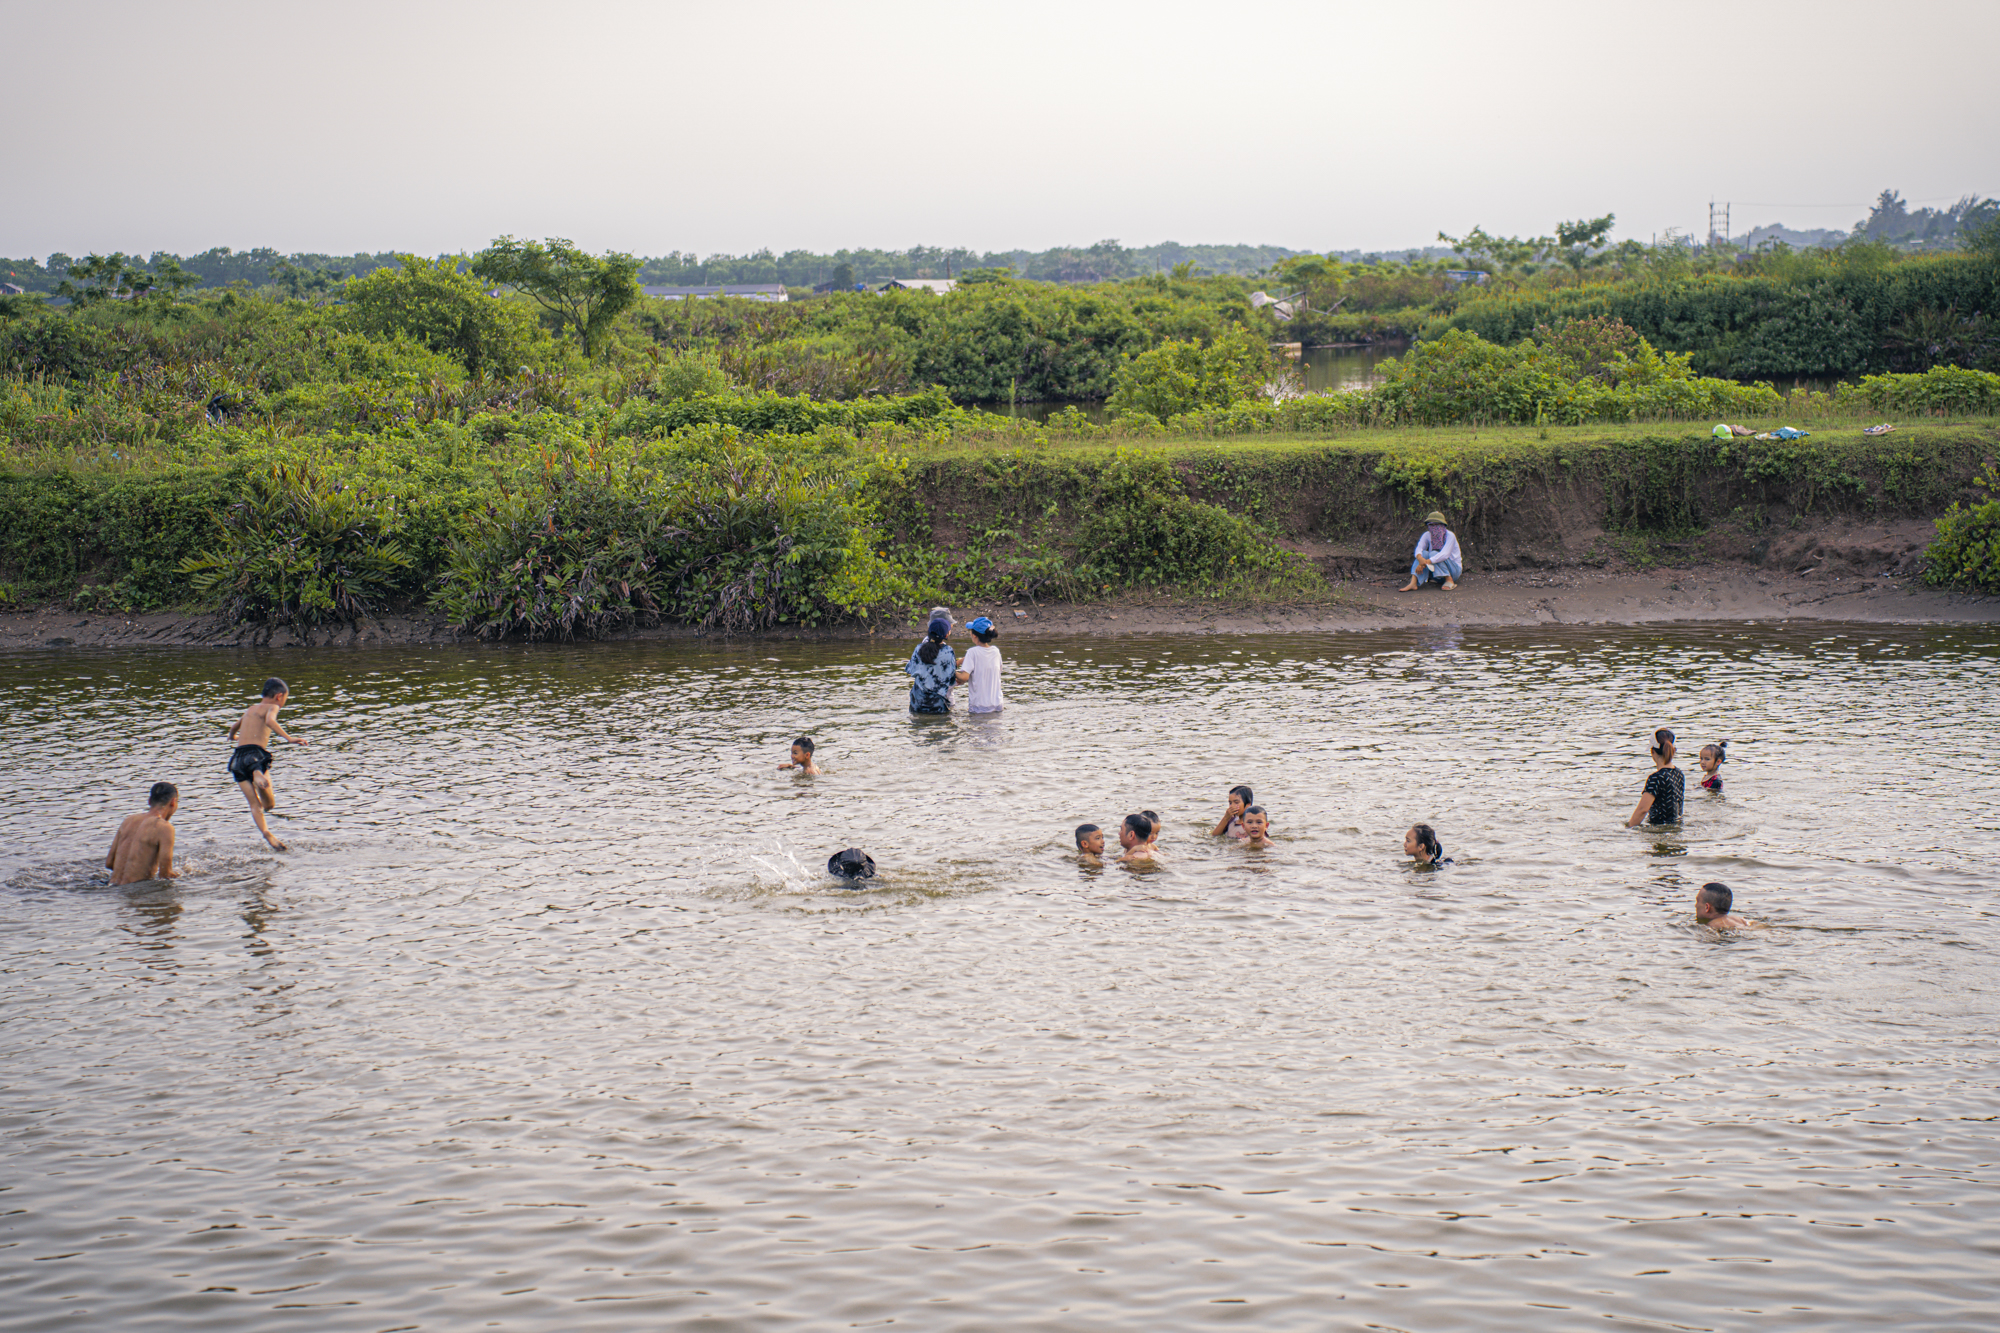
(251,764)
(143,847)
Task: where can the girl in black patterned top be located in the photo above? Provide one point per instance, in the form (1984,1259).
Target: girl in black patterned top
(1661,803)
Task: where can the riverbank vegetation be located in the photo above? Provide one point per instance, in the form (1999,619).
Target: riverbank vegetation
(425,443)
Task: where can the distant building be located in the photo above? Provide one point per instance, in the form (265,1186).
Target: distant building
(1465,275)
(11,289)
(748,291)
(939,285)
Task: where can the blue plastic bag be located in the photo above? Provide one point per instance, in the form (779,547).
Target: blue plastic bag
(1790,433)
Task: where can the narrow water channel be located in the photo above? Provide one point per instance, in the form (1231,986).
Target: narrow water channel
(552,1020)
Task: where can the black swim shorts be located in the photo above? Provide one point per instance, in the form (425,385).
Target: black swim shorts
(248,762)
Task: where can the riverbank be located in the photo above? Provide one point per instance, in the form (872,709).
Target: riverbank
(1575,595)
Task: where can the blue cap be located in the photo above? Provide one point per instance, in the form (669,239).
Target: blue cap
(981,626)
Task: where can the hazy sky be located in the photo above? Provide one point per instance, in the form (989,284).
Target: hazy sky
(661,126)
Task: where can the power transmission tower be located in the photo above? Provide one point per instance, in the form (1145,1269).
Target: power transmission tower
(1718,213)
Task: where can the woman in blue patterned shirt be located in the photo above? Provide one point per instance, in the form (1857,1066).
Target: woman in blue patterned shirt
(931,668)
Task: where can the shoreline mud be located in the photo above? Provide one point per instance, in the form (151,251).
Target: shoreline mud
(1518,598)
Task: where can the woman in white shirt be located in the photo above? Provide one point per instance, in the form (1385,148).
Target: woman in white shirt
(1437,556)
(982,669)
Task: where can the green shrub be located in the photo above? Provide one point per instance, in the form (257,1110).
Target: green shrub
(1966,551)
(1940,391)
(737,542)
(1142,527)
(298,549)
(432,302)
(1179,377)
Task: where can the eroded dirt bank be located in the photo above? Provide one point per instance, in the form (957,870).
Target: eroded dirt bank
(1611,595)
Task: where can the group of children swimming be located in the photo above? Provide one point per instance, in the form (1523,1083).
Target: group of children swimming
(143,846)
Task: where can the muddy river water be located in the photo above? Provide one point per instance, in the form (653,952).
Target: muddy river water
(551,1019)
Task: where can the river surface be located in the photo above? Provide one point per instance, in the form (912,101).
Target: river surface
(551,1019)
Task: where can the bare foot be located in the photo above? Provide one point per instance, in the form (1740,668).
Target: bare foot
(1411,586)
(276,846)
(1449,585)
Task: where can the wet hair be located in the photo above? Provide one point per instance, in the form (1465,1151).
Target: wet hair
(1663,742)
(1254,810)
(803,743)
(1151,816)
(1721,749)
(934,637)
(852,863)
(1244,792)
(1085,830)
(1427,839)
(162,793)
(1717,896)
(1142,827)
(274,687)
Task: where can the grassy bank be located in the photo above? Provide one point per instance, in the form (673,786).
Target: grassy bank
(296,464)
(718,527)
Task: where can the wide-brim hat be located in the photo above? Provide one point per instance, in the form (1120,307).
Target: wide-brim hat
(1434,517)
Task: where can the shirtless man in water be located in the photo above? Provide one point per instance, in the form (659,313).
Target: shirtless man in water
(250,765)
(143,847)
(1711,907)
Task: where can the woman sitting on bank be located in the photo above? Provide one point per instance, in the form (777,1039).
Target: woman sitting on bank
(1661,803)
(931,668)
(1437,555)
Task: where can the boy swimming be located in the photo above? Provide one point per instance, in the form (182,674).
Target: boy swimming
(250,765)
(1713,757)
(1135,836)
(143,847)
(1231,822)
(1090,841)
(1153,838)
(1711,907)
(802,758)
(1256,827)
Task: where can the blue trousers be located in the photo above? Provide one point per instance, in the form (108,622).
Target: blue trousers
(1439,569)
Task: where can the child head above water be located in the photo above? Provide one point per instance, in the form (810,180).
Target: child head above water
(1421,843)
(1714,757)
(1090,839)
(1256,823)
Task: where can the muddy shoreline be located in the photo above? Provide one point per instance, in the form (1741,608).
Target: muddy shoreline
(1564,596)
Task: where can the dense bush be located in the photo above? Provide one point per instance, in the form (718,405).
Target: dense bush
(1178,377)
(1836,314)
(432,302)
(985,342)
(1940,391)
(298,549)
(737,542)
(1966,551)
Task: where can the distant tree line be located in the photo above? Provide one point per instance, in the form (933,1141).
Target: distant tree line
(218,267)
(1106,261)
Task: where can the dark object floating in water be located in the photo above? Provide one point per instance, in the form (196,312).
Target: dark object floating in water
(851,864)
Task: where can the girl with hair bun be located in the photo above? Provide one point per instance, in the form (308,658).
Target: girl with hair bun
(1661,802)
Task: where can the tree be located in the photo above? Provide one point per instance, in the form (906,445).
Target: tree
(433,302)
(1578,239)
(119,276)
(582,291)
